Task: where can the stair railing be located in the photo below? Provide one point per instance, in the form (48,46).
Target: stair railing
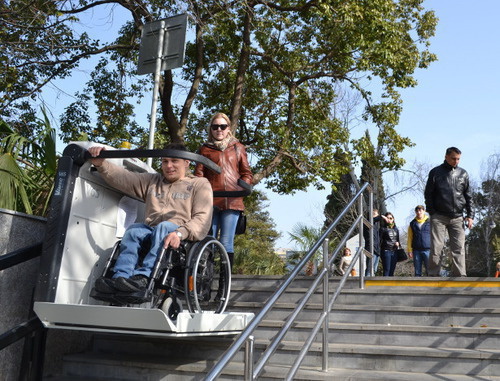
(253,370)
(32,329)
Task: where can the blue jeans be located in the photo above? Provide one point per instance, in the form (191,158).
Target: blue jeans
(376,259)
(389,260)
(224,225)
(421,257)
(139,236)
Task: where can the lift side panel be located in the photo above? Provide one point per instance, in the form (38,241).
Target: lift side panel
(91,235)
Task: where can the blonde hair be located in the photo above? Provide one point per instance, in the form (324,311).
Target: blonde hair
(215,116)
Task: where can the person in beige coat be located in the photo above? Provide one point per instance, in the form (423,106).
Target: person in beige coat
(178,206)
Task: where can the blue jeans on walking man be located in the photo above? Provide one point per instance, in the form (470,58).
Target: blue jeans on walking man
(421,257)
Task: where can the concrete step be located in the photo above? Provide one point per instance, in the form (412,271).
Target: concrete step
(392,357)
(375,314)
(408,291)
(401,359)
(420,297)
(234,372)
(400,335)
(167,348)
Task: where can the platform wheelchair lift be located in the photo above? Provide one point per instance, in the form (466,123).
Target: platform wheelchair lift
(185,296)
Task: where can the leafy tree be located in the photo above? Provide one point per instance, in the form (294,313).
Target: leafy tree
(483,241)
(372,173)
(343,192)
(257,263)
(254,250)
(305,237)
(27,168)
(279,69)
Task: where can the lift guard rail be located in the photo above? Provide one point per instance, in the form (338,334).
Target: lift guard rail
(80,155)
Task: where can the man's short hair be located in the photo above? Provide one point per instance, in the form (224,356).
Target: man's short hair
(453,149)
(419,207)
(176,146)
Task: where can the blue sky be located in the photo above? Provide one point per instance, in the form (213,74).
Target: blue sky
(456,103)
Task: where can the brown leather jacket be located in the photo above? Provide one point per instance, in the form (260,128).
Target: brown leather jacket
(234,164)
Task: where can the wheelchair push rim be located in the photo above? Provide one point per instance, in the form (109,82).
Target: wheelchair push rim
(207,282)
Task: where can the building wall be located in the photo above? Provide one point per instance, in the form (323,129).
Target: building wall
(17,230)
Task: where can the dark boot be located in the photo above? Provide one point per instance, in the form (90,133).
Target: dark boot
(222,276)
(231,261)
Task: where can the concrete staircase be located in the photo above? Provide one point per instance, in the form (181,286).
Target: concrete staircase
(394,329)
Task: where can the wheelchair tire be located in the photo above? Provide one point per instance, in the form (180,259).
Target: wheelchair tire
(172,307)
(207,281)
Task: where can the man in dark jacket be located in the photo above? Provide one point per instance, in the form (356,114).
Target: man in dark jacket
(447,196)
(376,244)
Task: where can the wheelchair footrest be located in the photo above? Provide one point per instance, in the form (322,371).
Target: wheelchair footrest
(122,298)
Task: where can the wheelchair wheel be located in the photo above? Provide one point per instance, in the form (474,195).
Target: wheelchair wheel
(172,307)
(207,280)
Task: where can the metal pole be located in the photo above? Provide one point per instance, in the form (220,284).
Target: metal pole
(372,228)
(326,293)
(362,256)
(249,358)
(159,60)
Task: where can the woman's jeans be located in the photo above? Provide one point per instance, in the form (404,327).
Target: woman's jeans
(139,237)
(389,261)
(421,257)
(224,223)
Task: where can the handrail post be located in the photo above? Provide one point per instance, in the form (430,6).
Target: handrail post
(362,256)
(249,347)
(372,228)
(326,293)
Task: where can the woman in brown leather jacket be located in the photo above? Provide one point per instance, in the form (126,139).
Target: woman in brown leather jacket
(228,153)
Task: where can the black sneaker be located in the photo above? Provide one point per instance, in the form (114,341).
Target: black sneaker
(135,283)
(105,285)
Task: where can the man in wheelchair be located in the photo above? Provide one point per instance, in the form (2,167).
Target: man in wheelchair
(178,207)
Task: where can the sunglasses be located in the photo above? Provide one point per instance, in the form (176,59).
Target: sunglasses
(215,127)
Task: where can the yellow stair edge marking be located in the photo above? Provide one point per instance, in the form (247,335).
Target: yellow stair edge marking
(427,283)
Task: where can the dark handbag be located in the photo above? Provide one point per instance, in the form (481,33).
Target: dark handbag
(241,225)
(401,255)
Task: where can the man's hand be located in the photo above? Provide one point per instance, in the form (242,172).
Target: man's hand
(469,222)
(410,254)
(172,240)
(95,151)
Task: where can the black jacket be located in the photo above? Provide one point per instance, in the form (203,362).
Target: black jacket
(388,238)
(447,192)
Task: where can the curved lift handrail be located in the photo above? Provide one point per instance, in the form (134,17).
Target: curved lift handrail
(80,155)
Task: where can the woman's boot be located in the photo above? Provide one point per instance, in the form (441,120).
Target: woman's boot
(222,276)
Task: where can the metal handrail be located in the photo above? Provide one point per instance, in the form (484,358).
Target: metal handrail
(252,371)
(33,326)
(19,256)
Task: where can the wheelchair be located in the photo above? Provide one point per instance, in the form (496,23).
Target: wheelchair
(197,272)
